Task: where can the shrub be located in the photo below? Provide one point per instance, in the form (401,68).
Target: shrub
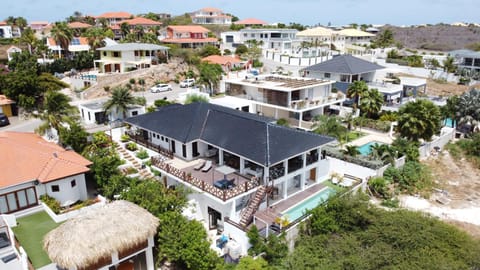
(130,170)
(142,154)
(162,102)
(131,146)
(106,88)
(282,122)
(132,81)
(124,138)
(391,203)
(141,81)
(51,202)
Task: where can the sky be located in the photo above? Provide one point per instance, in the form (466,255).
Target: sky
(308,12)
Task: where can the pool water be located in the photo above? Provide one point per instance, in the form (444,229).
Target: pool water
(366,149)
(298,210)
(448,122)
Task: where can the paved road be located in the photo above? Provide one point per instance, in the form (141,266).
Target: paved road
(21,125)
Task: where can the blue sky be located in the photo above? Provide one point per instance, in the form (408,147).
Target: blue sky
(310,12)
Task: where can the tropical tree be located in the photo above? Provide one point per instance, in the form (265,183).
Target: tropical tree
(468,108)
(384,39)
(62,35)
(351,150)
(209,50)
(210,75)
(419,119)
(356,90)
(96,37)
(28,38)
(329,125)
(195,98)
(371,103)
(125,29)
(74,136)
(56,111)
(119,102)
(449,65)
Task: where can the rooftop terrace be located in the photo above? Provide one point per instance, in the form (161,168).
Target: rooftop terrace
(281,83)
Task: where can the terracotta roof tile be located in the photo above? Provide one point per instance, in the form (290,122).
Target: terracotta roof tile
(79,25)
(189,28)
(141,21)
(210,9)
(120,14)
(26,157)
(221,60)
(251,21)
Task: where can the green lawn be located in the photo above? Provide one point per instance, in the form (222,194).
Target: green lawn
(30,232)
(351,136)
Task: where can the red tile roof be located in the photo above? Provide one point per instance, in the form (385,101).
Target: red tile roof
(211,9)
(120,14)
(189,28)
(189,40)
(39,23)
(25,157)
(3,23)
(251,21)
(141,21)
(82,40)
(221,60)
(79,25)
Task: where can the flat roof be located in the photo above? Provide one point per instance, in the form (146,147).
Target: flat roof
(387,88)
(98,105)
(281,83)
(409,81)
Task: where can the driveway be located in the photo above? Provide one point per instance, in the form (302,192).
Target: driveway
(17,124)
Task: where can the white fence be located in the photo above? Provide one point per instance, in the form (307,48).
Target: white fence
(428,148)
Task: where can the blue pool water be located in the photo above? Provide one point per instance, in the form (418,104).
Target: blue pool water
(448,122)
(366,149)
(298,210)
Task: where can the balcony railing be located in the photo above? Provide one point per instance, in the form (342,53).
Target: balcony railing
(303,104)
(144,142)
(223,194)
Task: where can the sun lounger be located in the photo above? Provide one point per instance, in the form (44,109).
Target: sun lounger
(199,165)
(207,167)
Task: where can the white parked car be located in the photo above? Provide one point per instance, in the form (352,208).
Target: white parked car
(187,83)
(161,88)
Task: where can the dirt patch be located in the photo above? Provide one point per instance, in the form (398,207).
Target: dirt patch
(436,88)
(471,229)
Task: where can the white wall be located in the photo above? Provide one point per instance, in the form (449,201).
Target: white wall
(7,31)
(67,193)
(344,167)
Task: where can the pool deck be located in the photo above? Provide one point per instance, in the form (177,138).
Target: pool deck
(372,136)
(271,213)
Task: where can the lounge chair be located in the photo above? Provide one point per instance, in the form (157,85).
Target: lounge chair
(231,183)
(208,166)
(199,165)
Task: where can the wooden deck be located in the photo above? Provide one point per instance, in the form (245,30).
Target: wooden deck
(271,213)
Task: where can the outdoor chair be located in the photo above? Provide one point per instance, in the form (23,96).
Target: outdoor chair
(207,167)
(231,183)
(199,165)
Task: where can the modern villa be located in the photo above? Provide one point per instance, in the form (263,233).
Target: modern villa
(124,57)
(232,160)
(296,99)
(278,39)
(187,36)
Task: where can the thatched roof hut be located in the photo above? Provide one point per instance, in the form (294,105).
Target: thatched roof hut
(91,238)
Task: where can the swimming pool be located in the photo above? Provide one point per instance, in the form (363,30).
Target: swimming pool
(448,122)
(299,209)
(366,149)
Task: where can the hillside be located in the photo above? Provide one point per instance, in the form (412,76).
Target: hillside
(438,37)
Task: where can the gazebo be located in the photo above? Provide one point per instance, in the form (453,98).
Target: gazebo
(119,234)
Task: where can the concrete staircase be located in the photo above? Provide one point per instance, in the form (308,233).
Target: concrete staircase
(252,207)
(125,154)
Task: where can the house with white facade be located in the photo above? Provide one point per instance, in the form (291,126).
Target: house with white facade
(237,164)
(210,15)
(466,59)
(352,40)
(296,99)
(5,30)
(94,112)
(77,44)
(187,36)
(10,257)
(32,167)
(113,18)
(276,39)
(343,69)
(124,57)
(319,40)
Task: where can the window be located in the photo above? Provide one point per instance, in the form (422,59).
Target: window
(162,138)
(229,39)
(134,113)
(137,53)
(327,75)
(17,200)
(166,139)
(75,41)
(117,54)
(104,53)
(73,183)
(55,188)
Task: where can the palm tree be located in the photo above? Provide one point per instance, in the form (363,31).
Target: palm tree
(210,75)
(125,29)
(62,35)
(371,103)
(28,38)
(119,102)
(95,37)
(56,110)
(351,150)
(329,125)
(356,90)
(418,120)
(468,108)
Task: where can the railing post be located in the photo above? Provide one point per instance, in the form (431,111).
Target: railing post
(246,186)
(203,185)
(224,195)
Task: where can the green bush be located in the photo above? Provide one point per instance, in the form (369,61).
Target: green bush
(132,81)
(124,138)
(142,154)
(282,122)
(162,102)
(131,146)
(52,203)
(141,81)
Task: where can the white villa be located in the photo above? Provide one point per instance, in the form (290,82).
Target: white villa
(241,167)
(296,99)
(94,113)
(277,39)
(5,30)
(32,167)
(210,15)
(124,57)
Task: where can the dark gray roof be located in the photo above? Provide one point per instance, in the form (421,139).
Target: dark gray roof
(251,136)
(345,64)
